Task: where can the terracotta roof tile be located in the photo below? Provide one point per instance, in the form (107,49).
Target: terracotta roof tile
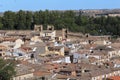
(41,73)
(115,78)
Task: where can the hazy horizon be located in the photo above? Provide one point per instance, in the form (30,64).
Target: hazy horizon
(32,5)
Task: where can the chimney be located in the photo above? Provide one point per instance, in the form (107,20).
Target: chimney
(71,58)
(73,73)
(83,70)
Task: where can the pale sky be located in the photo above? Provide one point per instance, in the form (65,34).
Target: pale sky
(35,5)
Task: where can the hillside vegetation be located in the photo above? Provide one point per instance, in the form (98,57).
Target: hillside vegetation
(25,20)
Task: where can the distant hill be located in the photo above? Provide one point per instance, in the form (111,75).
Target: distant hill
(1,13)
(93,12)
(86,12)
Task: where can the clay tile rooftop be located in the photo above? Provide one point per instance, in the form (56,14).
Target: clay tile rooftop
(114,78)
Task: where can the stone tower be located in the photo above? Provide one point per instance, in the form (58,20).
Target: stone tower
(50,27)
(38,27)
(64,33)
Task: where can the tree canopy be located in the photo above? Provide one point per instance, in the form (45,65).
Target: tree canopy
(23,20)
(6,70)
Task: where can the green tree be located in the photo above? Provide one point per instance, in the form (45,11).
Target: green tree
(1,24)
(9,20)
(36,18)
(29,20)
(68,19)
(6,70)
(21,20)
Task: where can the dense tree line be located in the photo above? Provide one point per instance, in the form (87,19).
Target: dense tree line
(23,20)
